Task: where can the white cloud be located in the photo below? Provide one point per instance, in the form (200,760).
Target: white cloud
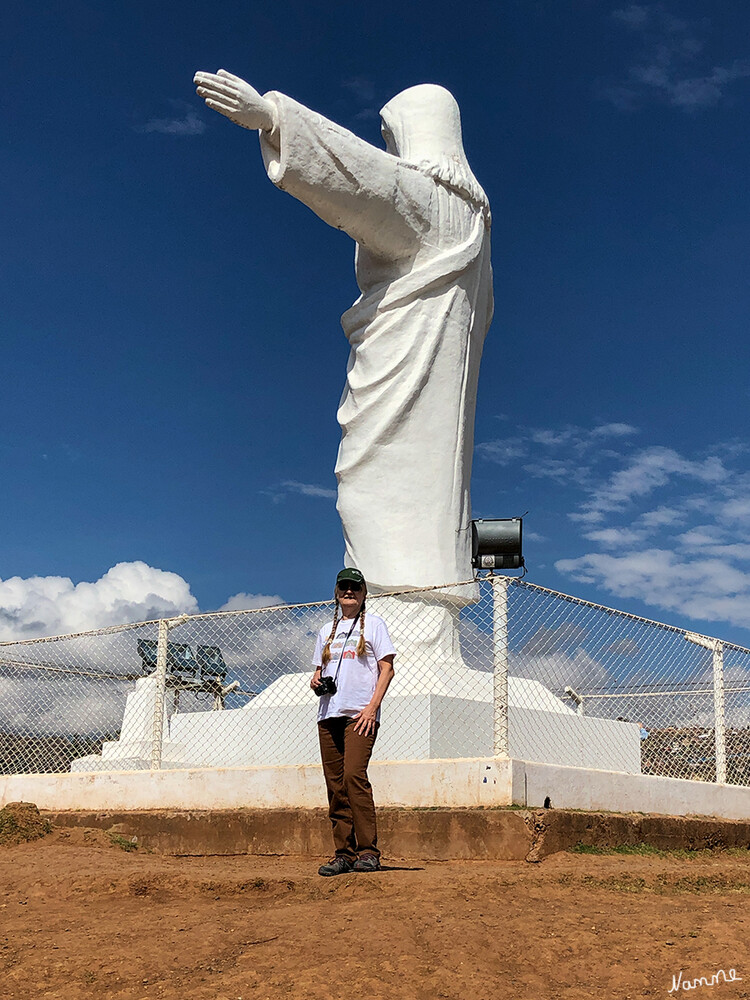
(668,69)
(692,511)
(704,589)
(552,438)
(560,454)
(558,670)
(128,592)
(188,123)
(622,647)
(308,489)
(502,451)
(79,684)
(634,16)
(554,640)
(587,516)
(281,492)
(649,469)
(734,550)
(701,536)
(736,510)
(250,602)
(534,536)
(618,538)
(614,430)
(557,469)
(662,517)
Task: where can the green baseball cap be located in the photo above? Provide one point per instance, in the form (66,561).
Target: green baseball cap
(351,575)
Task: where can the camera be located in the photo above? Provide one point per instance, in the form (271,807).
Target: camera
(326,685)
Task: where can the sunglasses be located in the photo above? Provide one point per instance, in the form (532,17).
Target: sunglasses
(349,585)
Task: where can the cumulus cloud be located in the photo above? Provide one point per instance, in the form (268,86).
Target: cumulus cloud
(552,640)
(250,602)
(671,67)
(615,538)
(706,589)
(78,685)
(557,670)
(52,605)
(662,517)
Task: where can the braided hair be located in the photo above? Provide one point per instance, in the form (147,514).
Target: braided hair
(362,645)
(325,656)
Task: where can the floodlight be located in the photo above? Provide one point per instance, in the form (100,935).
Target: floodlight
(180,659)
(211,662)
(496,544)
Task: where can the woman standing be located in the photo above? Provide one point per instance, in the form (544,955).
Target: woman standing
(355,652)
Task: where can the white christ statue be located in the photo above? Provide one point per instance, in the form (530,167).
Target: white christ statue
(421,225)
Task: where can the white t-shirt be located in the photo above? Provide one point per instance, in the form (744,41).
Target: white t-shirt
(358,675)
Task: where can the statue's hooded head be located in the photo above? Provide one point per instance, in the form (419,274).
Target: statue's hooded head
(422,125)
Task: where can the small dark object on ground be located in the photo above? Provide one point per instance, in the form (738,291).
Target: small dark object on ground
(21,822)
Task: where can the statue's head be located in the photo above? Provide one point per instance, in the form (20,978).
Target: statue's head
(423,123)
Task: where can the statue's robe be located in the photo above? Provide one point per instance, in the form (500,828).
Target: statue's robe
(416,334)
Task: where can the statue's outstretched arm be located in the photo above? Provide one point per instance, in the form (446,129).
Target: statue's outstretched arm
(233,97)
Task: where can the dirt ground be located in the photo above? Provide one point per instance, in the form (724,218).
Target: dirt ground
(81,916)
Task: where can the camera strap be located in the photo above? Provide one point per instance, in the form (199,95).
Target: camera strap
(343,648)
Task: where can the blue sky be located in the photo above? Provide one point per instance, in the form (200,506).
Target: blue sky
(172,355)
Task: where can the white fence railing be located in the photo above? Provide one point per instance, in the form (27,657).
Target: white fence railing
(491,667)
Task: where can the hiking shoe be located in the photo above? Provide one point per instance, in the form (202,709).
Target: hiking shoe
(337,866)
(367,863)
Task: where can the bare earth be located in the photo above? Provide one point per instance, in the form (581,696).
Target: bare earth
(81,917)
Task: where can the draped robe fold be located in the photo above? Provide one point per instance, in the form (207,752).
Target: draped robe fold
(416,333)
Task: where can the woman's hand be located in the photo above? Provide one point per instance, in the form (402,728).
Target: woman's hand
(236,99)
(315,680)
(364,723)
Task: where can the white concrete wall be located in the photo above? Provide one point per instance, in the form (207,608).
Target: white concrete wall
(450,783)
(580,788)
(574,740)
(463,783)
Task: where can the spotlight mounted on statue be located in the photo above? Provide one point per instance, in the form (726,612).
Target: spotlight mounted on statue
(496,544)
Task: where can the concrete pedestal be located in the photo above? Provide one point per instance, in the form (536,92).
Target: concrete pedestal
(424,717)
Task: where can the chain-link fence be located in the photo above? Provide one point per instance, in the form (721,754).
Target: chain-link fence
(491,667)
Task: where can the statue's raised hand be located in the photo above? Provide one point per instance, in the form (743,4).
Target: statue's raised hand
(236,99)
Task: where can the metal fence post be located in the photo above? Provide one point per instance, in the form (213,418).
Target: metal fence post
(720,746)
(720,715)
(500,665)
(160,690)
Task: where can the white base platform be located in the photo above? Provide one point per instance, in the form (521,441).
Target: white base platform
(479,782)
(423,718)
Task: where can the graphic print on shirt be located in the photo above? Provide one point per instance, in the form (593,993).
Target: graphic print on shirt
(350,652)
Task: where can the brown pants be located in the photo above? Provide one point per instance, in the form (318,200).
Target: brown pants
(345,755)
